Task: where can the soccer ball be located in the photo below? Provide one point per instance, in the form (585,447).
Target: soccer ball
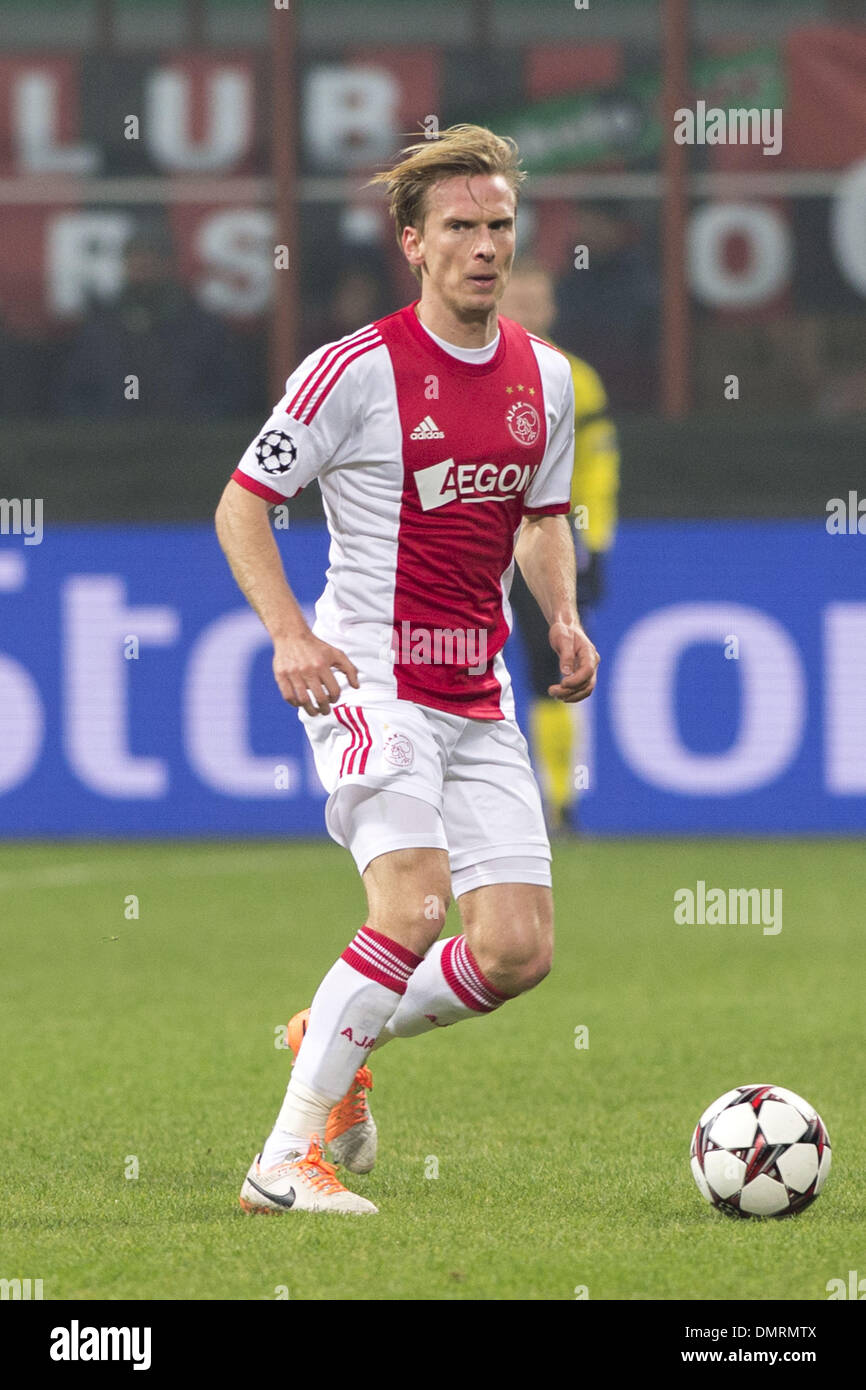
(276,452)
(760,1151)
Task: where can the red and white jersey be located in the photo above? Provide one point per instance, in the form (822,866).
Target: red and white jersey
(427,465)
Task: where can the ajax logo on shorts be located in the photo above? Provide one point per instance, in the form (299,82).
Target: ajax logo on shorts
(399,751)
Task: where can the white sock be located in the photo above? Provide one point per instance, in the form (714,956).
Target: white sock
(356,998)
(304,1110)
(446,988)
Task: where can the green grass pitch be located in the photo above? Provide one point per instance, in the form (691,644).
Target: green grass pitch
(148,1045)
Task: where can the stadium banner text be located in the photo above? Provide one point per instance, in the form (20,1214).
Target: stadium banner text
(136,694)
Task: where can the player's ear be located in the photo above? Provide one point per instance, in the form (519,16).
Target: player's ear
(412,240)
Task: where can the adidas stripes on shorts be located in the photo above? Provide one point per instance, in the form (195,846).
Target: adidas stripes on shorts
(401,775)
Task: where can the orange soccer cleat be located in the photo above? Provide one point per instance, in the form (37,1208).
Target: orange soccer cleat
(351,1130)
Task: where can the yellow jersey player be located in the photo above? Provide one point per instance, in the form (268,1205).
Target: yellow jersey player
(554,727)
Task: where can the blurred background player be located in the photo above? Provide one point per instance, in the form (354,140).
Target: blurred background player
(555,727)
(188,361)
(608,312)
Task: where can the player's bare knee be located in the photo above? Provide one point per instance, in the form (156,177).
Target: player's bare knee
(509,929)
(517,959)
(542,968)
(408,893)
(519,976)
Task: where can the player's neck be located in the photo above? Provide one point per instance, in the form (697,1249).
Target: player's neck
(439,319)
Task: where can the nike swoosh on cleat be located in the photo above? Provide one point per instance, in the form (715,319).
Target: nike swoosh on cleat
(287,1201)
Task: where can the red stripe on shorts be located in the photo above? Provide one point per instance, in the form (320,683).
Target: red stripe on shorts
(340,713)
(362,766)
(352,717)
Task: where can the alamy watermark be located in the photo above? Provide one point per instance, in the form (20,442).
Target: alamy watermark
(20,1290)
(846,516)
(408,645)
(855,1288)
(77,1343)
(22,516)
(736,126)
(733,907)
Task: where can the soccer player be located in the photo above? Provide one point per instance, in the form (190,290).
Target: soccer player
(442,437)
(554,728)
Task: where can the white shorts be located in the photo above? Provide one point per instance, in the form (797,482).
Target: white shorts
(474,790)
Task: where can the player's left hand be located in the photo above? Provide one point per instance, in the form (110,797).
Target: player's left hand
(578,662)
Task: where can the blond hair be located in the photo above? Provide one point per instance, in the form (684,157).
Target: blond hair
(461,149)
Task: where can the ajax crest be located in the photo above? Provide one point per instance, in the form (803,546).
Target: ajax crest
(523,423)
(399,750)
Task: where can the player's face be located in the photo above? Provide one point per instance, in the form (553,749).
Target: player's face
(466,245)
(529,300)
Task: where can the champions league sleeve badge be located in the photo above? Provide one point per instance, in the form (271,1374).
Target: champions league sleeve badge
(275,451)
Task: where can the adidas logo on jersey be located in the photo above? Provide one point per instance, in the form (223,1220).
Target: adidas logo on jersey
(427,429)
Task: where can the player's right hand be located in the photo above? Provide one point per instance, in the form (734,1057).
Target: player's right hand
(304,671)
